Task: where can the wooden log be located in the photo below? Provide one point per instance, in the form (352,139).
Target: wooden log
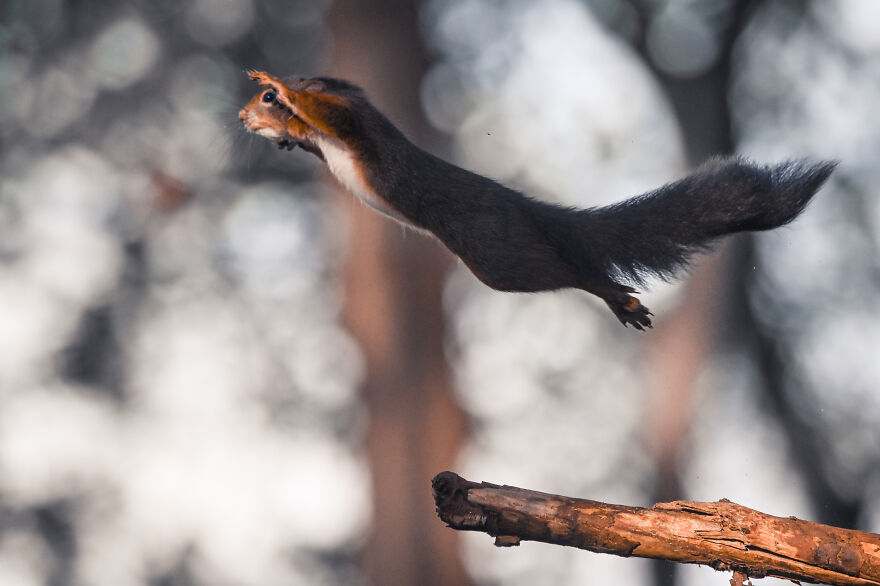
(722,534)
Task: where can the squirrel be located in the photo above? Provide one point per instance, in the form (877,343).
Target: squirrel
(512,242)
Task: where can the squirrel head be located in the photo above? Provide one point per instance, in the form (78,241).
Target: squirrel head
(305,111)
(332,119)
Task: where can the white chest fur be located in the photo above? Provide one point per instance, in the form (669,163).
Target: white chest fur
(343,166)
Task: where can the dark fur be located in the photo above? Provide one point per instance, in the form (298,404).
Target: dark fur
(514,243)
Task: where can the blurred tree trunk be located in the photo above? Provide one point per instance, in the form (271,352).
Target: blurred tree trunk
(679,349)
(720,288)
(393,306)
(809,447)
(682,341)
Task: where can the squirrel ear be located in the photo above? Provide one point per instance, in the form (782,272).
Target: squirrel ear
(284,94)
(313,85)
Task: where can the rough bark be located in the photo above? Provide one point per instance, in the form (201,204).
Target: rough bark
(723,535)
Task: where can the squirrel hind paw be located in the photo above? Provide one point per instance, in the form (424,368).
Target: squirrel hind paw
(630,311)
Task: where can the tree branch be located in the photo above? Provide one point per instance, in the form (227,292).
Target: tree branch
(723,535)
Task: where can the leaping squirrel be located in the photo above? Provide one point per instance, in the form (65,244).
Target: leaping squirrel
(510,241)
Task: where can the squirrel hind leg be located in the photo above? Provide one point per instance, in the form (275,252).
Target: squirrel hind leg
(628,309)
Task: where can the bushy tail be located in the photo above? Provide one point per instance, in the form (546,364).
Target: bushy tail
(656,233)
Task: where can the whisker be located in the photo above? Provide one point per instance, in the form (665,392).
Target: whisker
(250,152)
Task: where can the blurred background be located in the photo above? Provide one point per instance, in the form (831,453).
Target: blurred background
(218,369)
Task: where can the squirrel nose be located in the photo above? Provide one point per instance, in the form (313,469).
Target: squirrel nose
(242,115)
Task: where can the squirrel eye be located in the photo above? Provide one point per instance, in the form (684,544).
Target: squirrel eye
(269,97)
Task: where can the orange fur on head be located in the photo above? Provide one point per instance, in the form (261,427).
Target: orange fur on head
(266,79)
(313,109)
